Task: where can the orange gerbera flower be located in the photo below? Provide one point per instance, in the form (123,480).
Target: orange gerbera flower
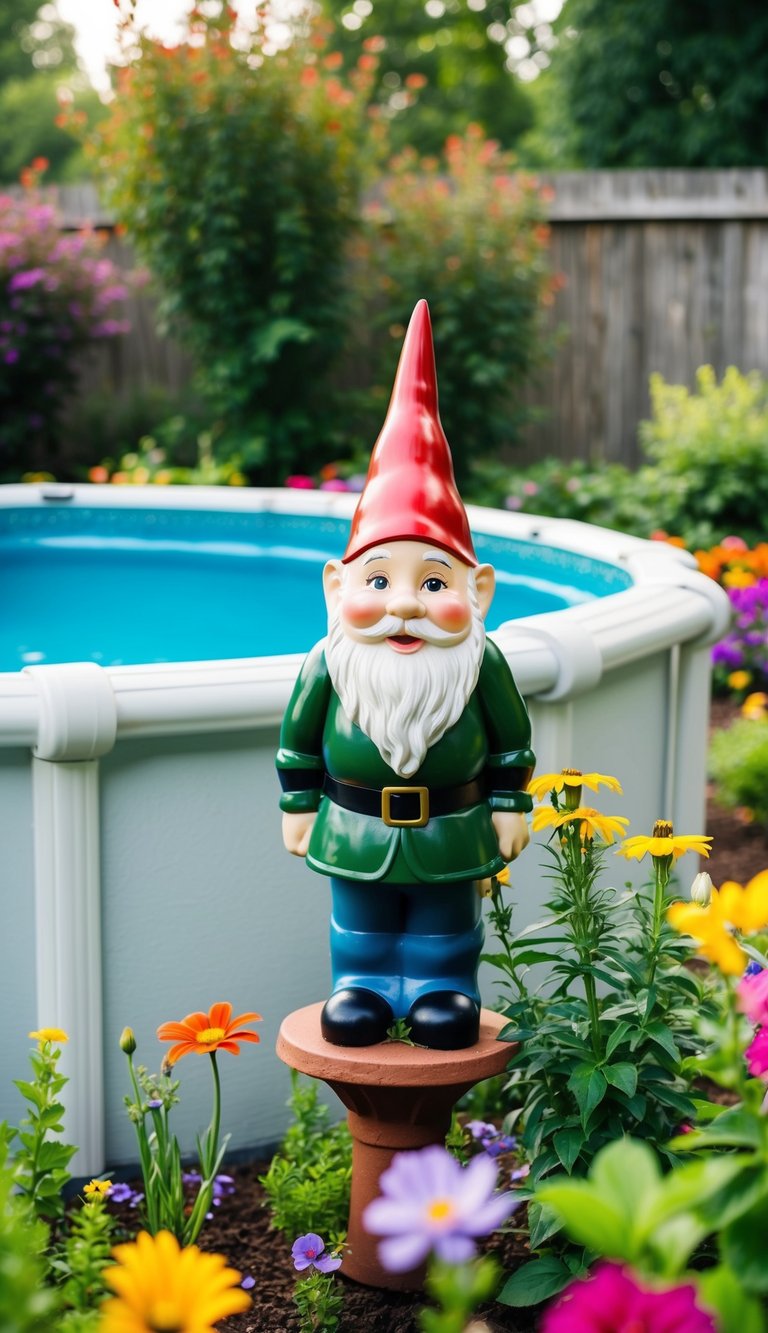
(206,1033)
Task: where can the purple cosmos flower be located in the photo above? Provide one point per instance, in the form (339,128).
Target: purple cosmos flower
(430,1202)
(307,1252)
(612,1298)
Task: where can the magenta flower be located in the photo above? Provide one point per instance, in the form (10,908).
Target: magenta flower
(752,997)
(430,1202)
(612,1299)
(756,1055)
(300,482)
(307,1252)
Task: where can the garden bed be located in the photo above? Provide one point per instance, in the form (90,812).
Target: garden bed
(240,1230)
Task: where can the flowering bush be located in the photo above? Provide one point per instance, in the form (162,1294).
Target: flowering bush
(741,659)
(470,234)
(58,295)
(237,168)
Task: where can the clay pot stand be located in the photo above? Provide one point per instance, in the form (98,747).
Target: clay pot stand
(399,1098)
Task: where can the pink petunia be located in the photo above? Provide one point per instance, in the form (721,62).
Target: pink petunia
(756,1055)
(752,997)
(613,1300)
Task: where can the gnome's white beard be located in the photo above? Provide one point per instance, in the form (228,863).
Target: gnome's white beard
(405,702)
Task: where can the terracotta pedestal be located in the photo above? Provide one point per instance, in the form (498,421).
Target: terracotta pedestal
(398,1097)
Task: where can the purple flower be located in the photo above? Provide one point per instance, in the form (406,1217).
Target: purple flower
(430,1202)
(481,1129)
(499,1144)
(753,968)
(28,277)
(248,1282)
(223,1186)
(122,1193)
(154,1104)
(11,356)
(613,1298)
(513,502)
(307,1252)
(191,1178)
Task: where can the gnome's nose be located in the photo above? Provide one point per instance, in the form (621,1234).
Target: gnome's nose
(405,605)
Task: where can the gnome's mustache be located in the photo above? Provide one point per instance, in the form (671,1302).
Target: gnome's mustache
(389,627)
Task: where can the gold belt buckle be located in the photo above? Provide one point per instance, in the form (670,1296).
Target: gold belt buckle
(386,798)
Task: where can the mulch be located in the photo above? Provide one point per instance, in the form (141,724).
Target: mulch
(241,1231)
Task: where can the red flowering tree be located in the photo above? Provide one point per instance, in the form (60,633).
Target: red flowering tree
(236,166)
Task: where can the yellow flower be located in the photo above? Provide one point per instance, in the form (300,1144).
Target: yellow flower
(731,908)
(503,876)
(97,1189)
(570,777)
(739,680)
(161,1288)
(664,842)
(48,1034)
(738,578)
(755,706)
(591,823)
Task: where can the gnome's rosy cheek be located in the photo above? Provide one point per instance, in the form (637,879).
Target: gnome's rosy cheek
(360,609)
(449,610)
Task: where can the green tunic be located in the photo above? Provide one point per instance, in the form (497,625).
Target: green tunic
(490,741)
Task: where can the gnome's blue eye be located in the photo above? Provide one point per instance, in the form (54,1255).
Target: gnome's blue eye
(379,582)
(434,584)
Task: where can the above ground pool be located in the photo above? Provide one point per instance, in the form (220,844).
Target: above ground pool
(124,585)
(150,638)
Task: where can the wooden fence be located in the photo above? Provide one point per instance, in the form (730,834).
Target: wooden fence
(664,271)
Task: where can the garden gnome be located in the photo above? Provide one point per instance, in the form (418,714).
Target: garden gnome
(405,750)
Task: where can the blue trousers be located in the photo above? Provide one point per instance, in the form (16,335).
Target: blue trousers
(405,940)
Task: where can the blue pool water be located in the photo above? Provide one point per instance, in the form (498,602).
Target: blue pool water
(118,586)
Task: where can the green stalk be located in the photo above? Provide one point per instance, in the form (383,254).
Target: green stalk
(580,926)
(145,1156)
(661,869)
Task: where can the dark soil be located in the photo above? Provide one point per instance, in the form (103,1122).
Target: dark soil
(240,1229)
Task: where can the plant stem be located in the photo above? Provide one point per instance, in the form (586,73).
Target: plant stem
(661,869)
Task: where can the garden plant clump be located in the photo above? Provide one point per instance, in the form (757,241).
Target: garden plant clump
(59,296)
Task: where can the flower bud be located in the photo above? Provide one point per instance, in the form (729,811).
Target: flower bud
(127,1041)
(701,889)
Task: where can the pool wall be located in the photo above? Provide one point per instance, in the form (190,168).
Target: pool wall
(144,874)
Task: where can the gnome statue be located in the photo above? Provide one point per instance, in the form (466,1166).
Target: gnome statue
(405,750)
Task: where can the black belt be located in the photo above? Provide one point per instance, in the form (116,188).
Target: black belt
(404,807)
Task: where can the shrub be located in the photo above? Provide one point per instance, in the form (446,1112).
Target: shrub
(58,295)
(471,237)
(237,170)
(709,449)
(738,761)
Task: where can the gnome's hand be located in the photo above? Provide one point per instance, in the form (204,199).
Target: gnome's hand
(512,833)
(297,829)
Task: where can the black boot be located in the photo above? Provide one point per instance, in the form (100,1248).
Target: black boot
(355,1017)
(444,1020)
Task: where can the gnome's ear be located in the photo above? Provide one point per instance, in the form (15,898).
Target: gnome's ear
(485,583)
(333,577)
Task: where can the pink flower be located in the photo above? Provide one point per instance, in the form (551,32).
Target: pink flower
(298,482)
(612,1300)
(756,1055)
(734,544)
(752,997)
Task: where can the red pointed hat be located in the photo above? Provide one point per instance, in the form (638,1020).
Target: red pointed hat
(410,491)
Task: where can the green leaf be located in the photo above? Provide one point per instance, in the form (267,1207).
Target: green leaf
(535,1282)
(588,1086)
(616,1038)
(543,1223)
(735,1128)
(742,1246)
(660,1035)
(737,1312)
(568,1144)
(31,1092)
(588,1217)
(623,1077)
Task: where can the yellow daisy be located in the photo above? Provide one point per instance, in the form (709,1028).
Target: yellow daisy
(48,1034)
(664,842)
(97,1189)
(541,786)
(755,706)
(731,908)
(591,823)
(160,1286)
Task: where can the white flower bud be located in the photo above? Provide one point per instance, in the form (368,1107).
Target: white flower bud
(701,889)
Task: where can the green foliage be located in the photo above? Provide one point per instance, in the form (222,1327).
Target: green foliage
(709,449)
(29,109)
(472,238)
(656,83)
(80,1262)
(40,1161)
(738,763)
(458,1289)
(27,1305)
(238,174)
(166,1204)
(438,73)
(610,496)
(308,1182)
(319,1301)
